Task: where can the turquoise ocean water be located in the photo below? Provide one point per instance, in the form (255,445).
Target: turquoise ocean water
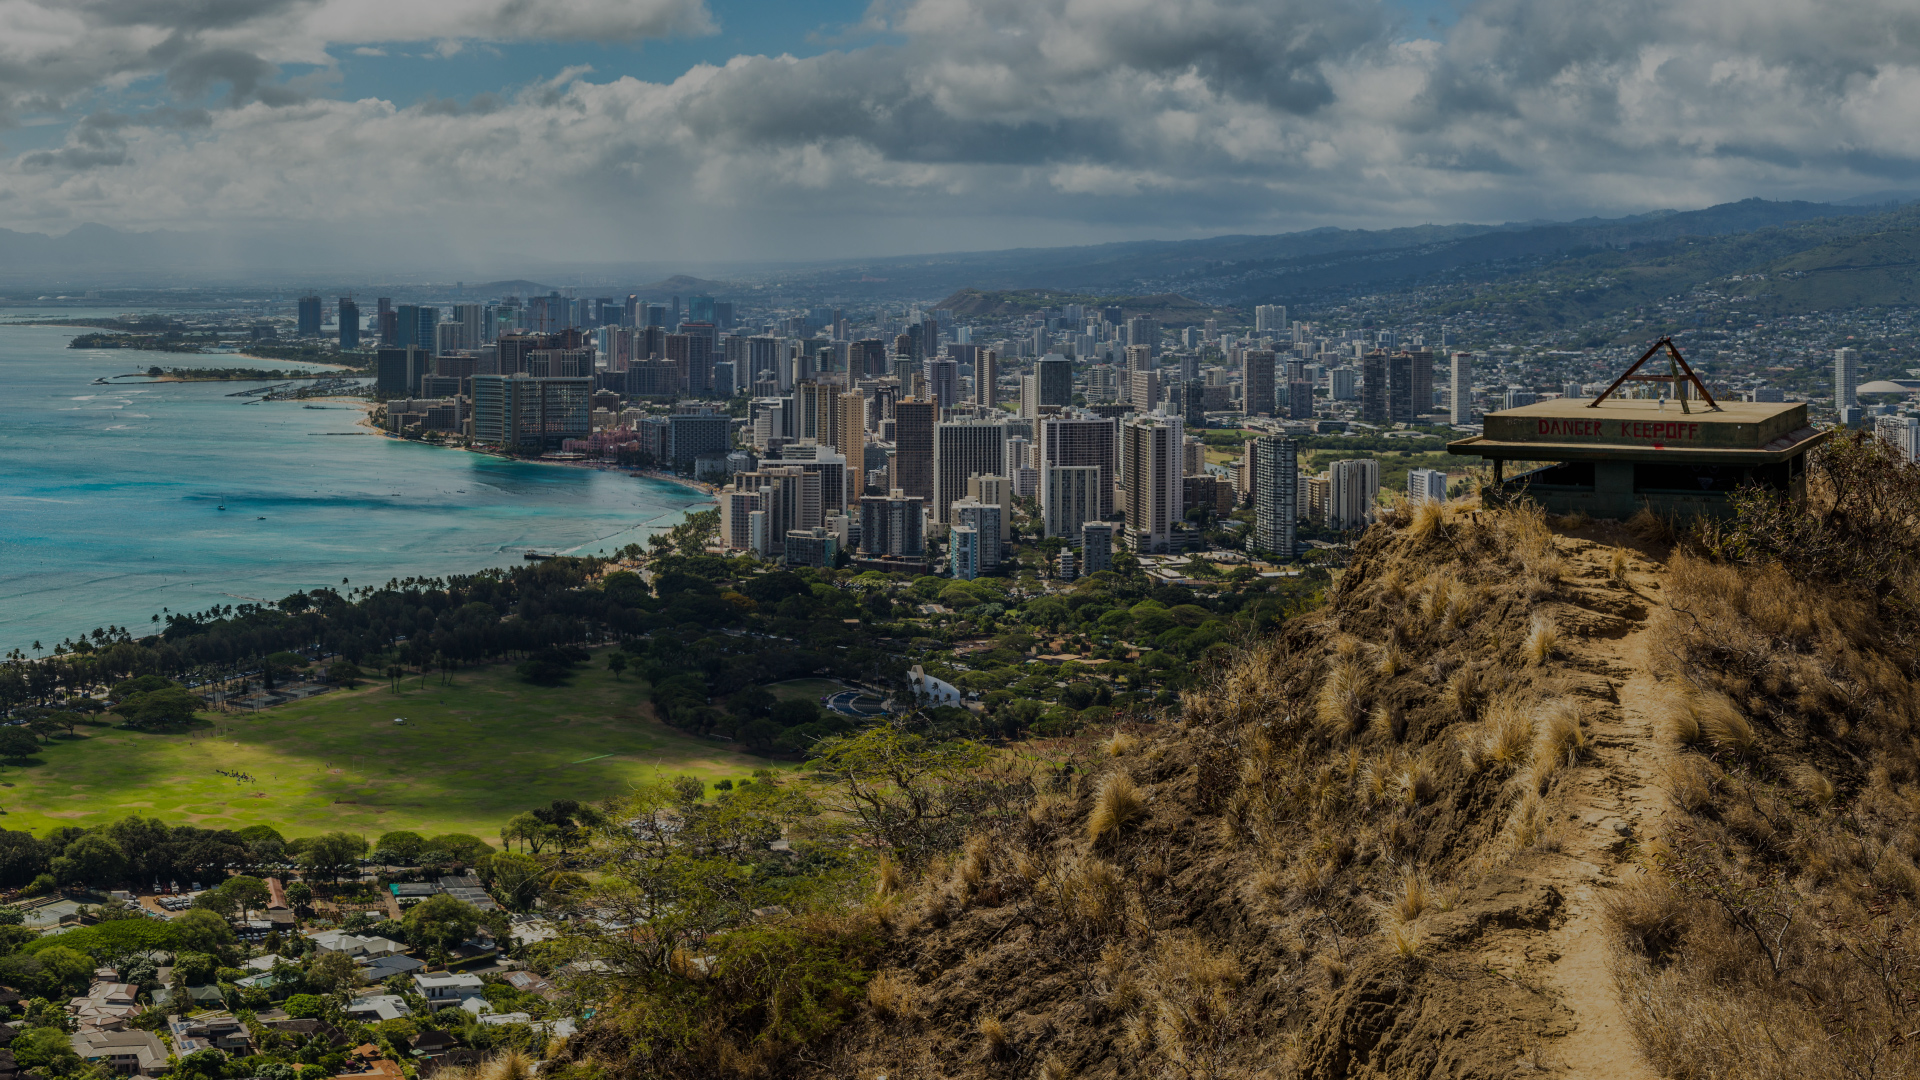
(110,495)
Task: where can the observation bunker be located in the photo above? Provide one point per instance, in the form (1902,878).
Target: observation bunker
(1611,457)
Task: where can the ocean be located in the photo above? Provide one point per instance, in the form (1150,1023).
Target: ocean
(110,496)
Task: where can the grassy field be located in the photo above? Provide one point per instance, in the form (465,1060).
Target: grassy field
(470,756)
(811,689)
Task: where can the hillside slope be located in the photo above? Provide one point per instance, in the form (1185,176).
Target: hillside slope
(1378,846)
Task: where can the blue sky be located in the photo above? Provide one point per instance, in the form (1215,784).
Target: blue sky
(462,129)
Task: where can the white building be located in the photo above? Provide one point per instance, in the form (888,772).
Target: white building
(1846,378)
(1901,431)
(1424,484)
(1351,487)
(1151,465)
(1460,394)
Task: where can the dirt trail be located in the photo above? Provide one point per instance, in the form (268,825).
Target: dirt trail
(1602,807)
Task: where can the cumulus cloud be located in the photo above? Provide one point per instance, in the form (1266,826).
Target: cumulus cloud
(988,121)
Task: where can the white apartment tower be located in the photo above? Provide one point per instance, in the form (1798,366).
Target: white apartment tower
(1460,394)
(1846,378)
(1154,491)
(1351,486)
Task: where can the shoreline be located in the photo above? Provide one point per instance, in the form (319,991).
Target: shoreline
(708,491)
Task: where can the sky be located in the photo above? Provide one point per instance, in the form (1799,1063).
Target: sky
(451,132)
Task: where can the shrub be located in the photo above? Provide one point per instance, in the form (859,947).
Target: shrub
(1115,806)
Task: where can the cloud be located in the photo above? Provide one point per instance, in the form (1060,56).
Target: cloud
(989,122)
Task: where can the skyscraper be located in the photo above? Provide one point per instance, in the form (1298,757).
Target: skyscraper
(867,357)
(891,525)
(1258,387)
(309,316)
(913,447)
(1276,494)
(1151,446)
(1054,375)
(1351,487)
(943,381)
(961,449)
(986,376)
(416,326)
(1460,395)
(349,323)
(1846,378)
(851,439)
(1426,484)
(1269,317)
(1071,441)
(1069,498)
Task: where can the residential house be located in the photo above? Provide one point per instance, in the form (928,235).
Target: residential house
(129,1053)
(447,987)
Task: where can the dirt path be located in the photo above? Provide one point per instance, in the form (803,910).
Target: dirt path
(1604,806)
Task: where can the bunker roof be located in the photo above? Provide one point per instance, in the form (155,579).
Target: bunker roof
(1646,429)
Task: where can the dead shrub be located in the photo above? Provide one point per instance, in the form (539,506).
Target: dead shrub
(1339,706)
(1413,899)
(1119,744)
(1689,783)
(1115,806)
(1809,782)
(1542,641)
(993,1038)
(1647,915)
(886,876)
(1617,564)
(894,996)
(1429,519)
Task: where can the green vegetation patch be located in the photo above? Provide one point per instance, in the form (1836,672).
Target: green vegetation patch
(469,757)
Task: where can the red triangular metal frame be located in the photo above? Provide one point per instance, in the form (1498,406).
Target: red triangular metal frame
(1678,380)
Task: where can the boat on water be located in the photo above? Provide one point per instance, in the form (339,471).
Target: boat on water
(539,556)
(99,382)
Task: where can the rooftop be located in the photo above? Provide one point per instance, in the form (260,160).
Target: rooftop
(1574,429)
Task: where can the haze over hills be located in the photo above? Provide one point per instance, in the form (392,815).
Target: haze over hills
(1667,250)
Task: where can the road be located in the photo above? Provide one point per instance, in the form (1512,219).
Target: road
(848,703)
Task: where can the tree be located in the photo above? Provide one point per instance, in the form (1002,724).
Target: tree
(330,855)
(617,663)
(43,726)
(299,894)
(400,846)
(306,1006)
(529,830)
(17,744)
(47,1051)
(461,849)
(158,708)
(93,859)
(345,673)
(911,795)
(441,921)
(333,972)
(515,878)
(202,931)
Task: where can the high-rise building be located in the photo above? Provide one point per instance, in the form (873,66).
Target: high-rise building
(986,378)
(892,524)
(1193,404)
(1151,447)
(1343,384)
(1053,374)
(851,439)
(416,325)
(1901,431)
(1846,378)
(1144,331)
(519,410)
(1069,498)
(309,322)
(1144,390)
(943,381)
(1420,388)
(1259,385)
(1072,441)
(987,520)
(997,490)
(867,357)
(1276,493)
(914,421)
(1460,393)
(961,449)
(1096,547)
(1269,318)
(1300,400)
(1427,484)
(397,372)
(695,435)
(963,552)
(1351,488)
(349,324)
(827,463)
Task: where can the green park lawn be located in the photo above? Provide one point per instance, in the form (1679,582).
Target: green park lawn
(470,756)
(810,689)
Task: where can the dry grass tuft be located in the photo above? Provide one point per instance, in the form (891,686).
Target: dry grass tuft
(1464,693)
(1618,564)
(1053,1069)
(1339,705)
(1115,806)
(1809,782)
(1119,744)
(886,877)
(976,862)
(511,1064)
(1563,735)
(1543,640)
(1504,738)
(1392,660)
(1696,716)
(993,1037)
(1417,785)
(1527,827)
(1429,519)
(1688,783)
(1413,900)
(894,995)
(1404,939)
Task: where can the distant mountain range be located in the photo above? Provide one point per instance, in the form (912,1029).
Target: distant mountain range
(1233,271)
